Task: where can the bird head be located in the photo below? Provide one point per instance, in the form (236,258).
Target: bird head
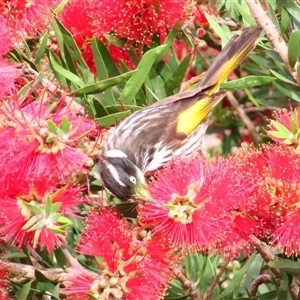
(122,177)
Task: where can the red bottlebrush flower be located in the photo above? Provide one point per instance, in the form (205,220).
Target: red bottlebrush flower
(278,194)
(137,20)
(43,138)
(5,37)
(4,291)
(200,18)
(33,212)
(285,129)
(131,268)
(118,55)
(27,17)
(8,74)
(194,201)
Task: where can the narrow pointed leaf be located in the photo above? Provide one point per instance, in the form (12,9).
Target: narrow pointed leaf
(64,72)
(139,77)
(30,223)
(41,50)
(65,125)
(246,82)
(284,21)
(177,76)
(113,119)
(101,86)
(280,127)
(293,47)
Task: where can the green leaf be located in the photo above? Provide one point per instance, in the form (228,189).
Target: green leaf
(60,257)
(272,14)
(218,29)
(13,255)
(283,291)
(56,206)
(294,122)
(282,78)
(64,37)
(293,9)
(64,72)
(19,56)
(40,276)
(284,264)
(120,43)
(246,82)
(280,127)
(64,220)
(30,223)
(65,125)
(110,66)
(52,127)
(238,277)
(100,86)
(289,93)
(177,76)
(245,13)
(293,47)
(102,73)
(60,6)
(41,50)
(139,77)
(112,119)
(285,21)
(279,134)
(23,292)
(48,206)
(252,99)
(36,210)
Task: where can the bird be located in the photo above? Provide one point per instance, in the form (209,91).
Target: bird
(171,128)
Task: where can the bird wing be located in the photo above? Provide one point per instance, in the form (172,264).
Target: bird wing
(152,134)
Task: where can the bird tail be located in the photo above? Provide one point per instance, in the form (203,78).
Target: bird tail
(229,58)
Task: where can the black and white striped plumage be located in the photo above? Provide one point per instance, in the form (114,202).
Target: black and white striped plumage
(168,129)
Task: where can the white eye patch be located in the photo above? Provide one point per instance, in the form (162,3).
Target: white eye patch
(115,154)
(115,175)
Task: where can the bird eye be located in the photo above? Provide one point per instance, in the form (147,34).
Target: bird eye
(132,179)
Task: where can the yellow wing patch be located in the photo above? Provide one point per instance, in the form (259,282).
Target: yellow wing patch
(226,69)
(189,119)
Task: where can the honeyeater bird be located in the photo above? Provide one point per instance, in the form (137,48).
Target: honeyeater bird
(168,129)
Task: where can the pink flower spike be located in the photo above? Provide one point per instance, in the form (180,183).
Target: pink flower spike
(35,212)
(42,139)
(4,290)
(8,74)
(285,129)
(28,17)
(5,37)
(131,268)
(138,20)
(193,201)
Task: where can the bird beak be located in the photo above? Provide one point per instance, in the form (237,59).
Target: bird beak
(143,194)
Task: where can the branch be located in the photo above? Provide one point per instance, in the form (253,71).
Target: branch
(267,256)
(242,114)
(266,253)
(261,279)
(28,272)
(272,34)
(187,283)
(209,293)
